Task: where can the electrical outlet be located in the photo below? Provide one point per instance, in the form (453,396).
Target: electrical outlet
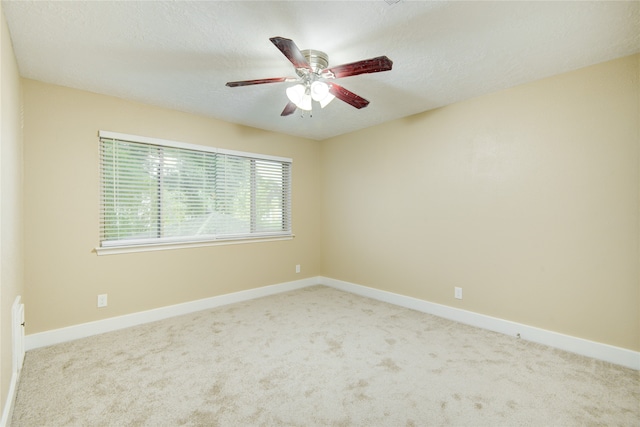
(457,293)
(102,300)
(298,268)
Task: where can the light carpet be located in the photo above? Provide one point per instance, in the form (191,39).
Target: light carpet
(314,357)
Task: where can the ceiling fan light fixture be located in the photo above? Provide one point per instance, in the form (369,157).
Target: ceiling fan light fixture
(326,100)
(295,93)
(298,95)
(319,90)
(305,104)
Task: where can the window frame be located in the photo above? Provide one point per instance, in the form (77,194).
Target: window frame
(154,244)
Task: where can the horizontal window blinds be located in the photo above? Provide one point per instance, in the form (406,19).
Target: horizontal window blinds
(156,193)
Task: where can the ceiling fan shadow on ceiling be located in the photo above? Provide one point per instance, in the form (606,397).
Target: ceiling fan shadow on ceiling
(314,80)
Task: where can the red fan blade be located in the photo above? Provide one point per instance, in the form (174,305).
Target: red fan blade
(373,65)
(289,109)
(259,81)
(291,51)
(347,96)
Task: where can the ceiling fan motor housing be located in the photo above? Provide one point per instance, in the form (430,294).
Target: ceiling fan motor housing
(317,59)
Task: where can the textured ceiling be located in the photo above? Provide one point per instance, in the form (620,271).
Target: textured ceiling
(180,54)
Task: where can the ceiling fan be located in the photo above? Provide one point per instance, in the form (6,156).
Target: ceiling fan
(314,77)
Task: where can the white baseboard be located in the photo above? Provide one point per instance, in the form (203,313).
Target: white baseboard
(70,333)
(604,352)
(7,410)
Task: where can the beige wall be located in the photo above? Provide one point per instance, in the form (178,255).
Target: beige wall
(11,238)
(527,198)
(63,276)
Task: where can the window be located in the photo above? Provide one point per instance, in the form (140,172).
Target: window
(156,192)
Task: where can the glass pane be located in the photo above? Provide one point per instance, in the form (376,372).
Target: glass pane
(188,179)
(233,195)
(270,193)
(129,191)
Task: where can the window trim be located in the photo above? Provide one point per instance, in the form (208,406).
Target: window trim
(150,247)
(144,245)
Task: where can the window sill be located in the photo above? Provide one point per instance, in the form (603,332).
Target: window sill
(114,250)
